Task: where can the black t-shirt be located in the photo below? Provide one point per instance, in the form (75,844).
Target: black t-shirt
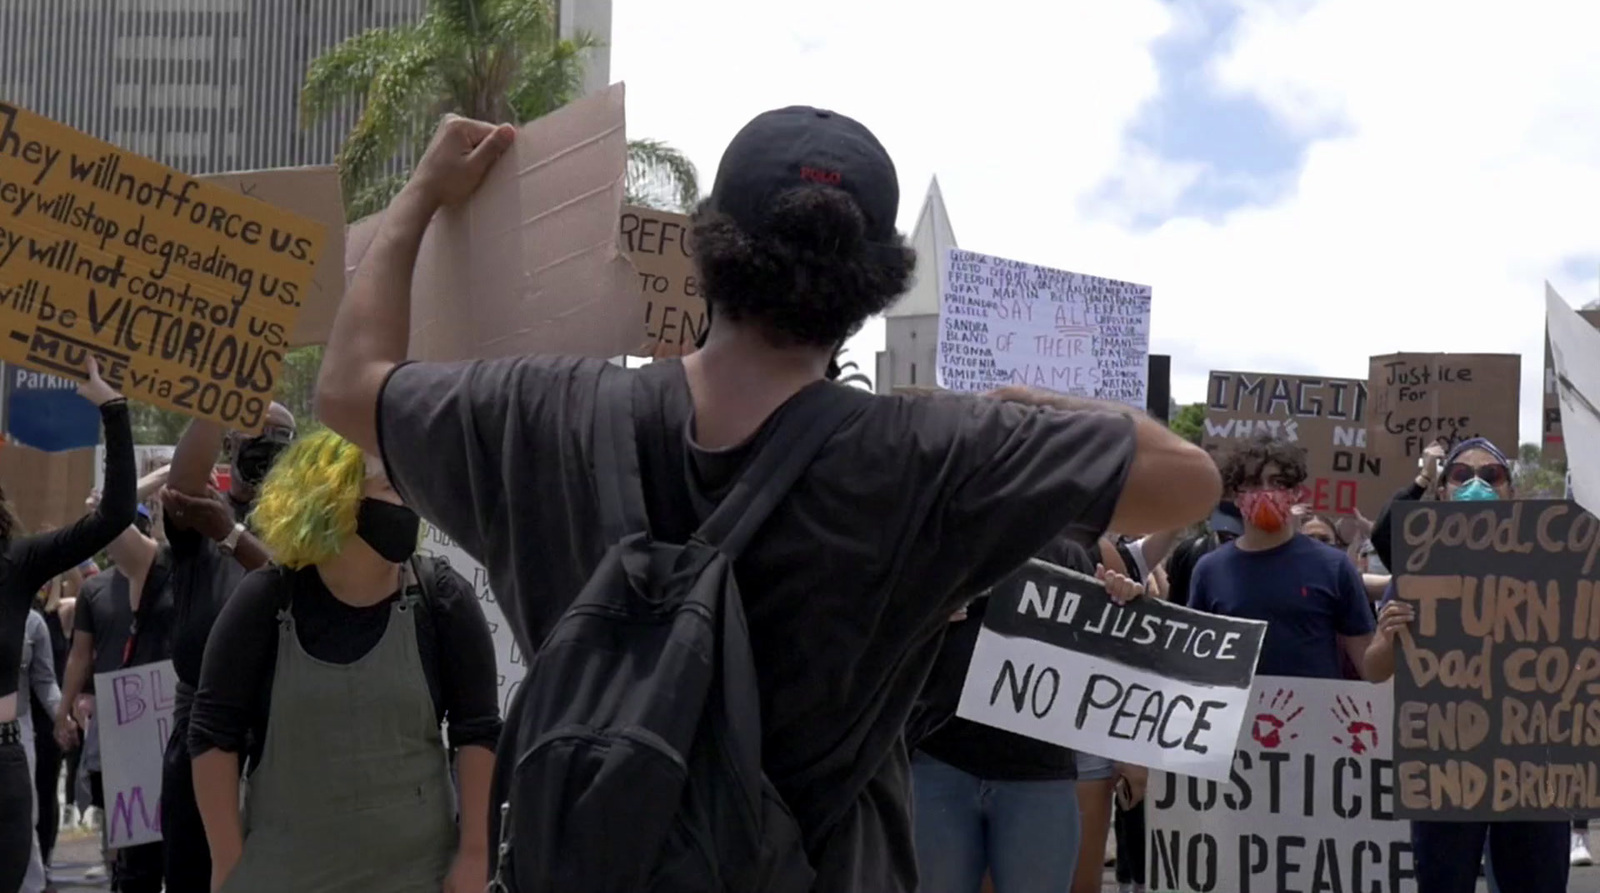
(1180,565)
(234,700)
(105,611)
(913,506)
(203,577)
(985,751)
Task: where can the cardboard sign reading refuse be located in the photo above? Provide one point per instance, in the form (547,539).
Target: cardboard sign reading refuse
(657,243)
(185,292)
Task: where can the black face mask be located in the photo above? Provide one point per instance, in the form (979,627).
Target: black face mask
(391,530)
(255,459)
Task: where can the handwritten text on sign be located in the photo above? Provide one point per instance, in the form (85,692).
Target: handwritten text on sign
(1309,804)
(1417,398)
(133,710)
(1147,682)
(657,243)
(508,657)
(1497,689)
(1004,322)
(185,292)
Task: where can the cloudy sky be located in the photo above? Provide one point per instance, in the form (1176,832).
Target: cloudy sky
(1304,183)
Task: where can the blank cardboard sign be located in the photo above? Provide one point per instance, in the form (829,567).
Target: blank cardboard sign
(309,192)
(531,263)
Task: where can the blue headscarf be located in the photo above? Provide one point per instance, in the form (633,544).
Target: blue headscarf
(1476,443)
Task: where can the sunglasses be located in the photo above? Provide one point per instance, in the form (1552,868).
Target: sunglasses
(1493,475)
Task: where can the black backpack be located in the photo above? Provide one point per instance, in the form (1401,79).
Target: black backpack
(632,755)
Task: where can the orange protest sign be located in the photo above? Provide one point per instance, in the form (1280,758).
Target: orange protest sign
(186,293)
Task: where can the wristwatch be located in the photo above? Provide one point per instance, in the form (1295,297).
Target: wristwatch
(228,542)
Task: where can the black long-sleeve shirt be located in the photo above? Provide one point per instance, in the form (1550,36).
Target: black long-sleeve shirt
(233,704)
(1381,528)
(28,562)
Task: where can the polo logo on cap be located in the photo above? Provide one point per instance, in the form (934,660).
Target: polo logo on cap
(817,175)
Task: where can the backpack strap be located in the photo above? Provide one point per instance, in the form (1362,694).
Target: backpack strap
(804,424)
(617,476)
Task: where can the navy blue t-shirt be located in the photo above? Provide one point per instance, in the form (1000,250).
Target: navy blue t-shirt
(1308,593)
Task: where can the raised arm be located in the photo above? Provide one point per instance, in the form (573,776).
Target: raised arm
(372,331)
(1172,483)
(42,556)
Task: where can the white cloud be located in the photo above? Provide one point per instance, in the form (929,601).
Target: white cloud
(1464,169)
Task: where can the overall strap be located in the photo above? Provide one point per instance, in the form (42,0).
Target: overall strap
(803,425)
(616,456)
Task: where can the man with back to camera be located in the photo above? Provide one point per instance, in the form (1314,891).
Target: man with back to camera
(212,551)
(1309,593)
(914,504)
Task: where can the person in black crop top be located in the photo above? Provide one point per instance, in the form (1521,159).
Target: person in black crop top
(26,564)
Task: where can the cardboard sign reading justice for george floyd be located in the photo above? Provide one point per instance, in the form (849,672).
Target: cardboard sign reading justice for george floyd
(1416,398)
(1497,683)
(1327,416)
(1148,682)
(186,293)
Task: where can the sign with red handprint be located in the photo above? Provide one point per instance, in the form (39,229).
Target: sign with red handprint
(1360,726)
(1270,727)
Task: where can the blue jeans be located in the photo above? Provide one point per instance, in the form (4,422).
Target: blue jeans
(1532,856)
(1024,833)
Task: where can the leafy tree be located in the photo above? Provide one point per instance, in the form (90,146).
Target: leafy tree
(494,60)
(1190,422)
(1536,479)
(850,374)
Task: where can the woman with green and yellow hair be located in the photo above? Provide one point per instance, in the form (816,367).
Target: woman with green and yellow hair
(332,672)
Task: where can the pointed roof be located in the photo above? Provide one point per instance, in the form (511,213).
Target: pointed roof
(931,238)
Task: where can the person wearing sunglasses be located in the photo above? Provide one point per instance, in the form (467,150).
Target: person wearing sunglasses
(1529,857)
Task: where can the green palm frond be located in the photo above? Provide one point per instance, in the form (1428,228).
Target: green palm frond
(549,80)
(661,177)
(374,196)
(406,86)
(347,71)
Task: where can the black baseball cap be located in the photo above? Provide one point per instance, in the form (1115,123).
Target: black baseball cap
(790,147)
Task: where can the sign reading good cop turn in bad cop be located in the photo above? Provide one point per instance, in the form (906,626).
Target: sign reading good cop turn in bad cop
(1308,806)
(1003,322)
(184,292)
(1497,682)
(1147,682)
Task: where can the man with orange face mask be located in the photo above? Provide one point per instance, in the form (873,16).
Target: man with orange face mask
(1310,593)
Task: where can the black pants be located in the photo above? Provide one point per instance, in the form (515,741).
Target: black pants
(46,772)
(70,762)
(1528,857)
(188,868)
(1129,828)
(16,816)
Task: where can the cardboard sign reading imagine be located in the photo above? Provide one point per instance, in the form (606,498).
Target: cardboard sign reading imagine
(1496,710)
(1003,322)
(674,313)
(1416,398)
(186,293)
(133,710)
(1327,416)
(1309,804)
(1148,682)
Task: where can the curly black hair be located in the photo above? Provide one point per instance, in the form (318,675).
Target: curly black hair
(1241,462)
(807,275)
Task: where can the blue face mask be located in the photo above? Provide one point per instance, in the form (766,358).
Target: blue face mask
(1475,490)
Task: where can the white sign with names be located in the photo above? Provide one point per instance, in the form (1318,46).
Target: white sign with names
(508,658)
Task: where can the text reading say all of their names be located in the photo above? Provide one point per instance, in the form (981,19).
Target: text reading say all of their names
(1003,322)
(184,292)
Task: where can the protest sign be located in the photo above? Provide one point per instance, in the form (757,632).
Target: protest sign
(532,262)
(1148,682)
(1572,380)
(1003,322)
(313,193)
(46,490)
(1309,804)
(133,711)
(1554,442)
(657,242)
(508,656)
(1496,714)
(1417,398)
(45,412)
(186,293)
(1327,416)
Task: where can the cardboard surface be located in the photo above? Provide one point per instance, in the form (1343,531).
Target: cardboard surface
(47,490)
(313,193)
(532,263)
(1414,398)
(1554,440)
(1574,345)
(1327,416)
(186,293)
(657,242)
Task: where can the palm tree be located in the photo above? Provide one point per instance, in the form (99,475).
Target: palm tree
(494,60)
(850,374)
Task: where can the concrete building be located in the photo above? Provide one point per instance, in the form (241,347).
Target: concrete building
(204,85)
(910,357)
